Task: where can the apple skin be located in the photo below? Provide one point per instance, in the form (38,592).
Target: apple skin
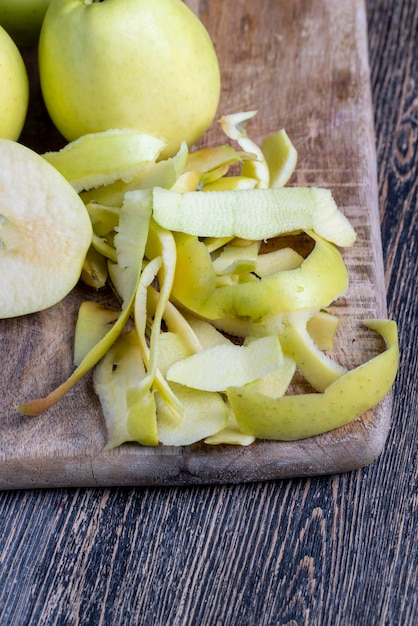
(14,88)
(22,19)
(143,64)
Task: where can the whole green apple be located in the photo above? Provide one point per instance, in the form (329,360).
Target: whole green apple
(143,64)
(14,88)
(23,19)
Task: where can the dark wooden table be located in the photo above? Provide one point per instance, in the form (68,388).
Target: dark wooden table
(338,550)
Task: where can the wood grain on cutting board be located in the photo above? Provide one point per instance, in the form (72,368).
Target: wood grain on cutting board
(303,65)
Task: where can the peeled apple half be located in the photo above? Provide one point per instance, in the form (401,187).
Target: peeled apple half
(45,232)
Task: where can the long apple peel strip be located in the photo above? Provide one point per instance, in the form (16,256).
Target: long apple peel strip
(254,214)
(130,414)
(165,266)
(349,397)
(137,233)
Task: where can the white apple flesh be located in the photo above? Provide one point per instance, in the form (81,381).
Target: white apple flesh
(45,232)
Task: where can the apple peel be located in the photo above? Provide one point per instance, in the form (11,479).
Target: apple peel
(94,272)
(237,259)
(204,413)
(320,279)
(225,365)
(207,159)
(230,183)
(132,236)
(234,126)
(93,323)
(129,412)
(296,417)
(256,214)
(175,321)
(101,158)
(163,173)
(281,157)
(150,353)
(230,435)
(276,261)
(317,367)
(322,327)
(275,383)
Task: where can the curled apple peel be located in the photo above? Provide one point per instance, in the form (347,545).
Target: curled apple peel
(320,279)
(222,318)
(129,411)
(255,214)
(162,173)
(133,241)
(299,416)
(89,161)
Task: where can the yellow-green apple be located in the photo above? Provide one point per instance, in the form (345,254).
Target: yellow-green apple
(22,19)
(143,64)
(14,88)
(45,232)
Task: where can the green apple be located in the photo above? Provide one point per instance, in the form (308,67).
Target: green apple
(14,88)
(22,19)
(45,232)
(143,64)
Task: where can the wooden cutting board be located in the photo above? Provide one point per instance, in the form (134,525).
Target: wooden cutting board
(303,64)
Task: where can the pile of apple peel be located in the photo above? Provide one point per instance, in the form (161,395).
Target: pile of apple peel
(225,277)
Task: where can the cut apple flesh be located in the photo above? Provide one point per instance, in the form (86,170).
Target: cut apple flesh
(45,232)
